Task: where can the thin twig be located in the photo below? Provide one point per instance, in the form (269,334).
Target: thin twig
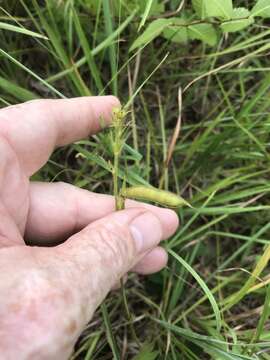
(133,121)
(171,13)
(177,130)
(136,69)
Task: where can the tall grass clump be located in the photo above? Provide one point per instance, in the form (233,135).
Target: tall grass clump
(194,81)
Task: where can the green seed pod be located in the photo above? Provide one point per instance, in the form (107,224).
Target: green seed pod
(162,197)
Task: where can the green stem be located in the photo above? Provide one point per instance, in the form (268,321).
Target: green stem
(115,181)
(129,315)
(120,204)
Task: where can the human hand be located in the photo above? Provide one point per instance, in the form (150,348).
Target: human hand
(48,294)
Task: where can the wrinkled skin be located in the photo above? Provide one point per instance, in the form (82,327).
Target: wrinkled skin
(48,294)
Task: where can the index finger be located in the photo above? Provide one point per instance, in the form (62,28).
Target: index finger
(33,129)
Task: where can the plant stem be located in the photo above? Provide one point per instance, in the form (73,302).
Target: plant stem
(129,315)
(117,136)
(115,181)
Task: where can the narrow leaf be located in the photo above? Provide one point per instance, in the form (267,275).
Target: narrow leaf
(21,30)
(152,31)
(146,353)
(146,13)
(264,316)
(203,32)
(109,27)
(240,19)
(44,82)
(260,266)
(15,90)
(199,7)
(202,284)
(109,332)
(177,31)
(219,8)
(261,8)
(87,51)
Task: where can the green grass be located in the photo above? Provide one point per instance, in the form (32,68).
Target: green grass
(212,301)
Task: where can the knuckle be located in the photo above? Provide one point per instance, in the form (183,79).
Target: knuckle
(114,244)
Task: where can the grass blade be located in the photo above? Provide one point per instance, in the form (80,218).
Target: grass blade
(146,13)
(20,93)
(203,285)
(112,48)
(21,30)
(110,336)
(44,82)
(87,52)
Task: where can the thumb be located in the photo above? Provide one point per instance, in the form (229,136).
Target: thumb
(108,248)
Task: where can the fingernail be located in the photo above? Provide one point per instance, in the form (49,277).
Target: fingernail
(146,231)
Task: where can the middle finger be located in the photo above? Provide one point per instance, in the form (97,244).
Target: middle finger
(58,210)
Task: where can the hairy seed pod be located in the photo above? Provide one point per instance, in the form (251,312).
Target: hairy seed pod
(162,197)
